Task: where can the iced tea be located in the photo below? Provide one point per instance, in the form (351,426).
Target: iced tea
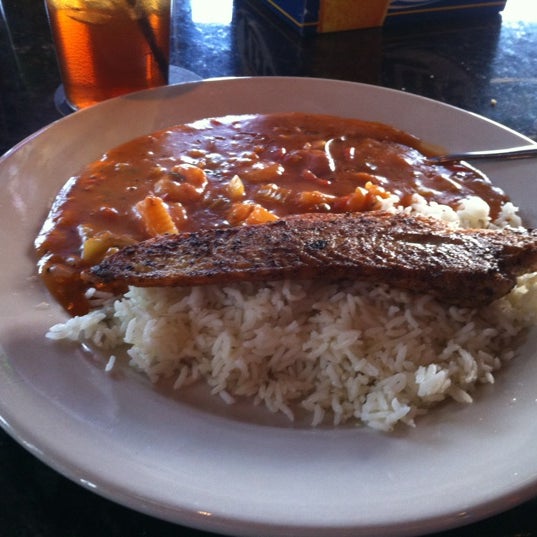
(107,48)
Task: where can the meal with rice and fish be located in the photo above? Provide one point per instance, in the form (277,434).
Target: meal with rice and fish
(323,267)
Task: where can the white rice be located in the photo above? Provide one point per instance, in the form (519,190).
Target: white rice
(344,352)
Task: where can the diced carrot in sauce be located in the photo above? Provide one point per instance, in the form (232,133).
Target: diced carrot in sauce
(260,215)
(357,201)
(239,212)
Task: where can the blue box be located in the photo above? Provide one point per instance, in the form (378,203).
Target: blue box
(321,16)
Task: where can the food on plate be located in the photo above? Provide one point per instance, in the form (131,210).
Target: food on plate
(241,170)
(464,267)
(262,191)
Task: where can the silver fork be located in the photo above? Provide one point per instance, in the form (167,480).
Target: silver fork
(525,151)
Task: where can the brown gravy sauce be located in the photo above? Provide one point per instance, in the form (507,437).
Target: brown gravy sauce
(237,170)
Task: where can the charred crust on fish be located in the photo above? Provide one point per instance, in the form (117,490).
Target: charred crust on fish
(424,255)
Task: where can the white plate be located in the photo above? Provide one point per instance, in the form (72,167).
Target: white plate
(235,470)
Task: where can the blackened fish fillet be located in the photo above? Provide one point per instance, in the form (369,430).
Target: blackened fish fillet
(464,267)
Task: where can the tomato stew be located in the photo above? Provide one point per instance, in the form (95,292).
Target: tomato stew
(236,170)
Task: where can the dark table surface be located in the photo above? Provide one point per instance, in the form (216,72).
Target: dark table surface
(487,65)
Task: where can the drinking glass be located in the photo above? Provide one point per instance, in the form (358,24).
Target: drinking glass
(107,48)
